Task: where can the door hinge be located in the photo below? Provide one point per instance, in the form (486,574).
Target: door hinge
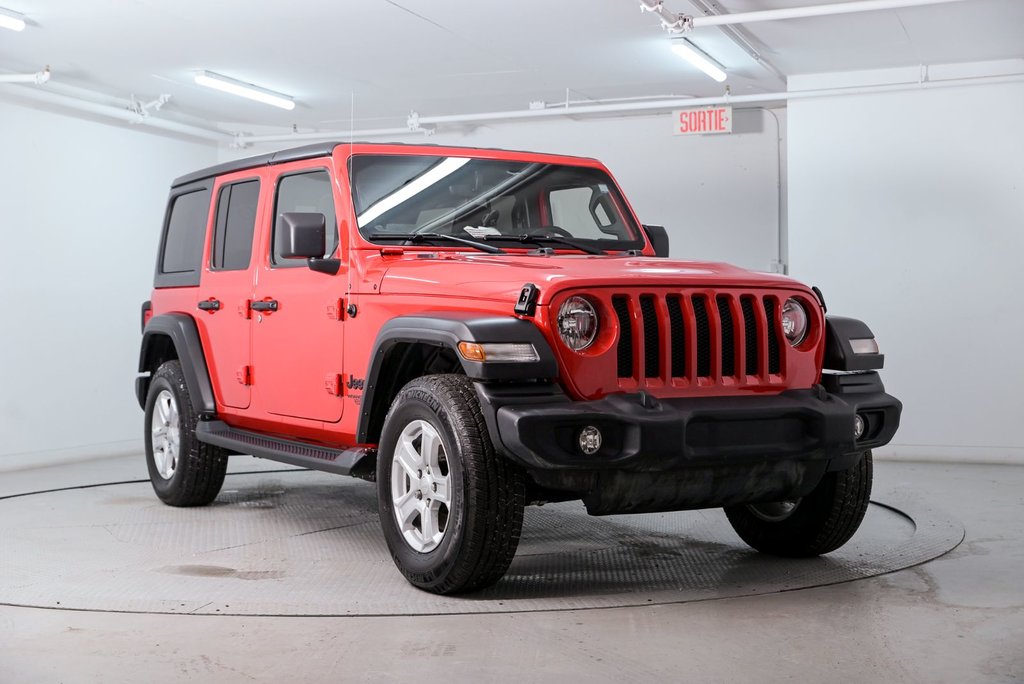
(245,309)
(336,311)
(244,375)
(334,383)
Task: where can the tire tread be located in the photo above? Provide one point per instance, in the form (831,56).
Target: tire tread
(494,490)
(824,521)
(201,467)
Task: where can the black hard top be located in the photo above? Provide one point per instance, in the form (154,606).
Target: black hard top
(322,149)
(294,154)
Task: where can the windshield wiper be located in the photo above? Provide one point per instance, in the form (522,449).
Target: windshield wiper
(421,237)
(548,239)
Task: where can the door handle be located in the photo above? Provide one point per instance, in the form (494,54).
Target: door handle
(210,305)
(264,305)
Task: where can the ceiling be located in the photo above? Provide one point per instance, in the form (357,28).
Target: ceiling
(383,58)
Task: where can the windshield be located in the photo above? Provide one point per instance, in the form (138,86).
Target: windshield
(491,200)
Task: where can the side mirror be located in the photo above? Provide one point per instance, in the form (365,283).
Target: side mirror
(301,235)
(659,239)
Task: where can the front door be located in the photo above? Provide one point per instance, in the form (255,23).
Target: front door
(297,320)
(226,286)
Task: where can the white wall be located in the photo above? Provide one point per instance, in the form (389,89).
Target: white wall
(907,209)
(81,204)
(718,195)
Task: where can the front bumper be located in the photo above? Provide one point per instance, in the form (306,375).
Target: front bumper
(643,433)
(749,447)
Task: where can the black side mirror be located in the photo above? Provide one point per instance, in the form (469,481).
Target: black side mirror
(659,239)
(301,235)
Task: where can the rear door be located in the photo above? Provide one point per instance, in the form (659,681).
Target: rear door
(297,339)
(225,289)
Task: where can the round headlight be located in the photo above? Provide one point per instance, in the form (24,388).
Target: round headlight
(577,323)
(794,321)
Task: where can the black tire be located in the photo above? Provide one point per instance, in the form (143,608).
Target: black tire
(198,470)
(485,515)
(821,522)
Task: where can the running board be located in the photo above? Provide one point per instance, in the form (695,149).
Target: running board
(358,462)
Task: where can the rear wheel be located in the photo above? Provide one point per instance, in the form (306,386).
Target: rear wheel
(183,470)
(818,523)
(451,509)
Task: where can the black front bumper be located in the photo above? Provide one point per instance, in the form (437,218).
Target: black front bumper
(746,447)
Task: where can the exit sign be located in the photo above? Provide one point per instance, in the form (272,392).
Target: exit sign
(702,120)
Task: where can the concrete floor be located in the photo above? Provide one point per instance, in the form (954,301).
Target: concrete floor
(959,618)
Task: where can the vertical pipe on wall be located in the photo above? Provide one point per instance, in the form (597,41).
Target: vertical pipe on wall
(782,260)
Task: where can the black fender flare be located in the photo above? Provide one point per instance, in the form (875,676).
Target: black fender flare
(447,329)
(839,354)
(184,336)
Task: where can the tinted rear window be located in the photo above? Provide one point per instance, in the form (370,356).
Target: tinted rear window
(186,233)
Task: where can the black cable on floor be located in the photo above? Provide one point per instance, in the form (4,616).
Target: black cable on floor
(124,482)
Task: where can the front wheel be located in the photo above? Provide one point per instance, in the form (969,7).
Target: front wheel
(451,509)
(816,524)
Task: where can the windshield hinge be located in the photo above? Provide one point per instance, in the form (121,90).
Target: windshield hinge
(526,305)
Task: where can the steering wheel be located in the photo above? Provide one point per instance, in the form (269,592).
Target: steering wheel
(551,230)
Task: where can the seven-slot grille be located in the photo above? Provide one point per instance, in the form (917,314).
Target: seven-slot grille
(693,336)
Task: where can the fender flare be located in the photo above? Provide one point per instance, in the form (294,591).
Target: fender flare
(447,329)
(184,336)
(839,354)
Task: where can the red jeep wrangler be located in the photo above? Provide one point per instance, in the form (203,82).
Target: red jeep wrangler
(477,330)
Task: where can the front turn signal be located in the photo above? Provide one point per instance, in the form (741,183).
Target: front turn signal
(501,352)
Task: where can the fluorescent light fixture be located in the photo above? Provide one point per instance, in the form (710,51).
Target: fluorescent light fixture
(242,89)
(435,175)
(11,20)
(695,56)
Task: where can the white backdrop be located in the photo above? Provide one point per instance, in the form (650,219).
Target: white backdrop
(82,204)
(907,209)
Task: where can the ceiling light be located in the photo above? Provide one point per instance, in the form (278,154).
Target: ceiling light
(11,20)
(242,89)
(695,56)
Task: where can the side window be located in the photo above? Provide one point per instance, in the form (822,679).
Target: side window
(309,192)
(183,242)
(584,211)
(570,209)
(236,221)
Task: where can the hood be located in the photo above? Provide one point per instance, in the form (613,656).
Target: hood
(502,276)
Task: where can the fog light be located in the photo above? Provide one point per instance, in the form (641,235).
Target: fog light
(590,440)
(858,426)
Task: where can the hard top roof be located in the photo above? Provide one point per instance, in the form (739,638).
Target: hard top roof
(322,149)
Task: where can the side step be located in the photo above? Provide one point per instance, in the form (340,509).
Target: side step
(358,462)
